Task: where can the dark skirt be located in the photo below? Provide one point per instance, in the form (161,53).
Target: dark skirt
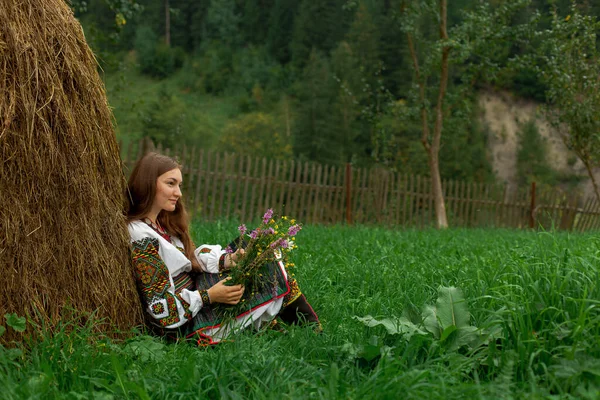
(273,286)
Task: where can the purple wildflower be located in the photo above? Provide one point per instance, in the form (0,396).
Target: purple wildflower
(294,229)
(268,215)
(280,243)
(228,250)
(269,231)
(242,228)
(254,234)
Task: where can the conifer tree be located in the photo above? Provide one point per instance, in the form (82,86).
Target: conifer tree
(314,137)
(320,24)
(255,21)
(222,22)
(281,26)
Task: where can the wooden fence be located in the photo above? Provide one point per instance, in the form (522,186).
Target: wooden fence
(224,185)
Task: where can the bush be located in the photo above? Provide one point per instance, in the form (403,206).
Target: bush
(164,120)
(532,165)
(214,65)
(256,134)
(154,57)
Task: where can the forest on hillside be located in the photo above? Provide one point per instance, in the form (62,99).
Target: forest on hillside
(337,81)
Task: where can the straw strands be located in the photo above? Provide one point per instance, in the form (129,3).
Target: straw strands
(63,239)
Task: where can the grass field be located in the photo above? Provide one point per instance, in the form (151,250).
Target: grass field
(532,296)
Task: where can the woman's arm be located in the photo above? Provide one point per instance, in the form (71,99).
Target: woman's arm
(209,257)
(169,308)
(213,259)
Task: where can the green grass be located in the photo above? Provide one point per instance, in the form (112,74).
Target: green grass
(537,291)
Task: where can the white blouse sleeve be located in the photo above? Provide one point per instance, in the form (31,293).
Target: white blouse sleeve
(208,256)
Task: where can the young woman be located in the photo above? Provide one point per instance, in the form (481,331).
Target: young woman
(181,286)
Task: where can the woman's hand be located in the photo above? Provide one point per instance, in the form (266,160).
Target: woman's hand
(232,259)
(221,293)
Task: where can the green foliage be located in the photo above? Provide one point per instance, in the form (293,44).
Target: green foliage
(156,58)
(222,23)
(281,26)
(105,26)
(253,66)
(215,66)
(447,322)
(15,322)
(256,134)
(254,53)
(255,21)
(164,120)
(532,165)
(571,70)
(320,24)
(314,137)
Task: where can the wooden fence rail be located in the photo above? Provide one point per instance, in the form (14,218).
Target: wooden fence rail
(225,185)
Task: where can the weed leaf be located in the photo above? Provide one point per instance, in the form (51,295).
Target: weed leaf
(2,330)
(451,308)
(394,326)
(430,320)
(447,332)
(15,322)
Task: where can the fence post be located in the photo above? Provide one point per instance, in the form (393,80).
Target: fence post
(348,194)
(532,210)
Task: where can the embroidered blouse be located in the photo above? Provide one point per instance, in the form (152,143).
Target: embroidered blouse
(163,275)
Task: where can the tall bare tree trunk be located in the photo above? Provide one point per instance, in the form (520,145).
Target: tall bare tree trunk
(167,24)
(432,149)
(436,182)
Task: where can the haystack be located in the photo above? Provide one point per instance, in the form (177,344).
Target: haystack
(63,240)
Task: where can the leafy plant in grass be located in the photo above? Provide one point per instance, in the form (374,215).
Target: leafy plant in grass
(444,326)
(13,321)
(9,357)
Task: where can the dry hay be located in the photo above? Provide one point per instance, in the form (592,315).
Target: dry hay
(63,239)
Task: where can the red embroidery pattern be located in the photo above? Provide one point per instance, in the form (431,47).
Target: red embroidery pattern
(158,308)
(205,250)
(294,292)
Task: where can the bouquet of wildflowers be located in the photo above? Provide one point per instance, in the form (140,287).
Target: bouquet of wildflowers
(269,242)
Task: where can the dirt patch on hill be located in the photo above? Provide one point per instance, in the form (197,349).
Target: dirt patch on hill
(504,114)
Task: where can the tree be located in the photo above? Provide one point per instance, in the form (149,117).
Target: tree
(432,143)
(532,165)
(320,24)
(281,26)
(362,78)
(255,24)
(167,24)
(256,134)
(104,22)
(346,108)
(222,23)
(315,130)
(164,119)
(470,48)
(571,71)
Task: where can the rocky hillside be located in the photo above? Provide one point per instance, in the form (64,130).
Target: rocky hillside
(503,114)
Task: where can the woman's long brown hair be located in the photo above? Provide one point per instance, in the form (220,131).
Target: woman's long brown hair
(141,190)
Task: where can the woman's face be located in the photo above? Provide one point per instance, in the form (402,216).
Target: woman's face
(168,190)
